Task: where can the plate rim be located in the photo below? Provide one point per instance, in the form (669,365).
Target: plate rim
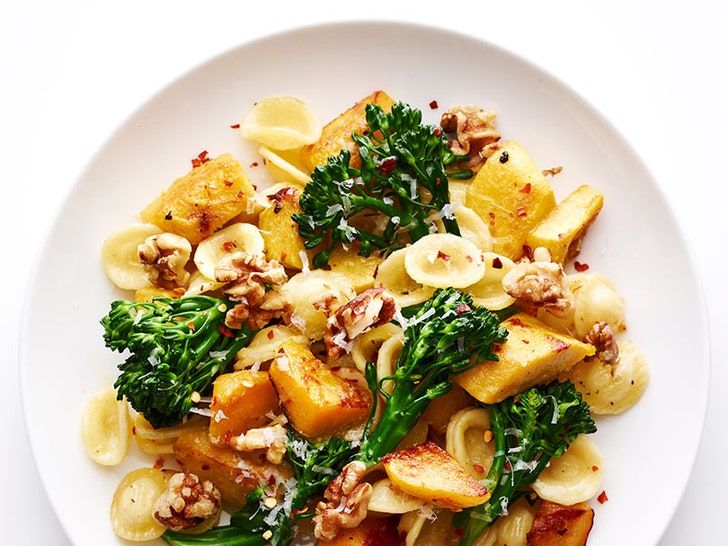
(373,24)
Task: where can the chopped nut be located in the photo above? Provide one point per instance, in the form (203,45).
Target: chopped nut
(602,337)
(248,275)
(272,439)
(474,132)
(187,502)
(347,502)
(553,171)
(369,309)
(540,284)
(165,257)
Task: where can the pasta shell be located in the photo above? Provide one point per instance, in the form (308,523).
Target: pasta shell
(280,169)
(367,345)
(281,123)
(120,257)
(199,284)
(387,359)
(132,508)
(429,526)
(235,238)
(573,477)
(393,276)
(387,499)
(488,292)
(473,228)
(512,529)
(442,259)
(105,428)
(596,300)
(464,440)
(264,346)
(458,189)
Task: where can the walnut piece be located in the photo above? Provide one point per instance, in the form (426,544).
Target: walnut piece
(187,502)
(474,133)
(540,284)
(602,337)
(247,276)
(271,438)
(367,310)
(164,257)
(347,498)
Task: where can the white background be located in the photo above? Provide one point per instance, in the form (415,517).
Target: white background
(72,71)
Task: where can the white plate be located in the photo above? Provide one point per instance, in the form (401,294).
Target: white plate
(648,452)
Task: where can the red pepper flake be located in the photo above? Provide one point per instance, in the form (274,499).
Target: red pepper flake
(191,326)
(526,341)
(335,368)
(497,264)
(159,463)
(388,165)
(133,430)
(272,480)
(271,334)
(438,181)
(580,267)
(205,466)
(254,164)
(236,126)
(469,258)
(526,188)
(521,212)
(516,399)
(228,246)
(437,131)
(327,267)
(442,256)
(227,437)
(479,469)
(602,498)
(226,331)
(433,104)
(228,183)
(507,465)
(463,308)
(492,215)
(527,252)
(200,159)
(594,468)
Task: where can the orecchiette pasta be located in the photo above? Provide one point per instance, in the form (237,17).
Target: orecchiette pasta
(465,440)
(473,228)
(387,499)
(393,276)
(596,300)
(105,428)
(264,346)
(239,237)
(199,284)
(312,296)
(120,257)
(428,526)
(387,359)
(458,190)
(488,291)
(283,123)
(280,169)
(612,389)
(133,505)
(573,477)
(444,259)
(367,345)
(512,530)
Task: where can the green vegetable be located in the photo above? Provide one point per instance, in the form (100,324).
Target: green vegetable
(178,346)
(529,430)
(402,176)
(447,336)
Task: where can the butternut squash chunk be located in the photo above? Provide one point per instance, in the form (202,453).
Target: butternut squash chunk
(562,231)
(317,401)
(370,532)
(336,135)
(240,401)
(533,354)
(279,231)
(201,202)
(512,196)
(358,269)
(430,473)
(557,525)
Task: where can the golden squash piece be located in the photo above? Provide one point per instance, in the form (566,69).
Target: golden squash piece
(370,532)
(280,232)
(429,472)
(201,202)
(557,525)
(234,473)
(317,401)
(358,269)
(562,231)
(148,293)
(512,196)
(240,401)
(336,135)
(533,354)
(441,409)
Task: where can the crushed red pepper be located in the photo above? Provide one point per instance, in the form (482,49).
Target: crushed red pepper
(226,331)
(433,104)
(581,267)
(497,263)
(236,126)
(200,159)
(388,165)
(526,188)
(602,498)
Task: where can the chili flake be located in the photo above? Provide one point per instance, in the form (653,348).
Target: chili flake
(497,263)
(581,267)
(463,308)
(159,463)
(602,498)
(254,164)
(442,256)
(479,469)
(226,331)
(437,131)
(236,126)
(526,188)
(271,334)
(527,252)
(200,159)
(388,165)
(433,104)
(521,212)
(228,246)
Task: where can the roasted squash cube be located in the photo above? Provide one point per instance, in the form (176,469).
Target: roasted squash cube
(512,196)
(429,472)
(562,231)
(557,525)
(317,401)
(201,202)
(358,269)
(234,473)
(336,135)
(533,354)
(240,401)
(370,532)
(279,231)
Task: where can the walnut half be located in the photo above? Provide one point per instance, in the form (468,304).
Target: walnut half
(165,257)
(602,337)
(538,284)
(271,438)
(473,132)
(187,502)
(347,498)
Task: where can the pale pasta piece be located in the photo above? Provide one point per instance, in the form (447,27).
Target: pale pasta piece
(428,526)
(145,431)
(393,276)
(610,390)
(473,228)
(488,292)
(596,300)
(199,284)
(120,256)
(387,499)
(411,524)
(281,123)
(560,320)
(264,346)
(367,345)
(458,189)
(280,169)
(238,237)
(443,259)
(387,359)
(133,505)
(465,441)
(573,477)
(512,529)
(416,436)
(105,428)
(488,537)
(313,296)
